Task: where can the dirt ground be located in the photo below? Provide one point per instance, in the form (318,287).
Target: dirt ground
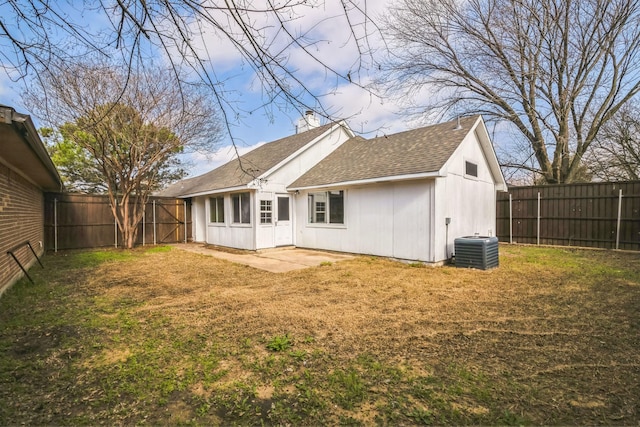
(550,337)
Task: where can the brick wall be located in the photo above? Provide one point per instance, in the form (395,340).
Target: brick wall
(21,218)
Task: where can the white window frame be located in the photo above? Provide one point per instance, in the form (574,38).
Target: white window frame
(213,209)
(241,204)
(312,211)
(266,212)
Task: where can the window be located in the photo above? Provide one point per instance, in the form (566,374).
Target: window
(317,207)
(329,202)
(265,212)
(216,209)
(336,207)
(470,169)
(241,208)
(283,208)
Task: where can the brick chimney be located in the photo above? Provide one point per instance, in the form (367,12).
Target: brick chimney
(307,122)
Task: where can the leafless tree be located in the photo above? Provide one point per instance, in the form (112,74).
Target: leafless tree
(124,128)
(187,34)
(616,152)
(557,70)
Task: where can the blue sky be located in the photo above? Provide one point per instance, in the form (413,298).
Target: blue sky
(325,23)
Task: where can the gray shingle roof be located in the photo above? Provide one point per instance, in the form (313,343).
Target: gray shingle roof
(254,164)
(415,151)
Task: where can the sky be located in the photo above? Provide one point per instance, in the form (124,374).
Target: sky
(365,113)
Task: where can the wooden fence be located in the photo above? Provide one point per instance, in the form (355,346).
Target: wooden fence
(602,215)
(73,221)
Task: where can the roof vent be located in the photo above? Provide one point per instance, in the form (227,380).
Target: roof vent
(307,122)
(458,125)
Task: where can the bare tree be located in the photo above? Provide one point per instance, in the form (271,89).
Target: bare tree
(616,151)
(186,34)
(557,70)
(125,128)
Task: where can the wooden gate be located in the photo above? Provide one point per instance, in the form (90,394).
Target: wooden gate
(74,221)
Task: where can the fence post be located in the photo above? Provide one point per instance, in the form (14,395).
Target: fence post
(115,231)
(55,224)
(510,220)
(185,221)
(538,231)
(618,223)
(144,214)
(154,222)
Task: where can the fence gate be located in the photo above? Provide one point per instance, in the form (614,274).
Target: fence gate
(170,220)
(74,221)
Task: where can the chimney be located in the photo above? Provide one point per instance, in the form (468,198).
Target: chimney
(307,122)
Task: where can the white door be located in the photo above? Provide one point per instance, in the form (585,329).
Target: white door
(199,214)
(283,224)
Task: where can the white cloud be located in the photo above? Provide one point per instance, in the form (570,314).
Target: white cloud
(367,113)
(338,34)
(205,162)
(329,33)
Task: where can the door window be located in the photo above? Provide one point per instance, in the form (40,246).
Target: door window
(283,209)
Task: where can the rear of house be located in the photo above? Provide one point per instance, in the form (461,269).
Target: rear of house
(404,196)
(245,204)
(26,172)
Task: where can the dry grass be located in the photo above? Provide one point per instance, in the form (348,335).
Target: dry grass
(550,337)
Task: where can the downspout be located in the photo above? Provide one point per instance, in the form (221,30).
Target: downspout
(255,217)
(447,221)
(185,220)
(294,224)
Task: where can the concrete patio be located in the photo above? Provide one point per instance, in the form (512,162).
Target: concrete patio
(278,260)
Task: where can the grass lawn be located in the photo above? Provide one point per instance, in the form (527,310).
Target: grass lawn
(161,336)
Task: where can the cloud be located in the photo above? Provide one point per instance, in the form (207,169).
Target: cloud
(366,112)
(340,34)
(205,162)
(308,39)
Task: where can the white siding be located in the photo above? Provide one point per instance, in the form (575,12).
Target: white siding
(296,167)
(241,236)
(393,220)
(469,202)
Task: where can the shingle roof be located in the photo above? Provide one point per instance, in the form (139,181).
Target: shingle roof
(251,165)
(415,151)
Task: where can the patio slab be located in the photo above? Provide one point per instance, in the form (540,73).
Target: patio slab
(277,260)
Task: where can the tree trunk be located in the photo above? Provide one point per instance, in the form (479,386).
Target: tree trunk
(132,215)
(128,217)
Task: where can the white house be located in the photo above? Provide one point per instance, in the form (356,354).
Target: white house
(405,196)
(245,203)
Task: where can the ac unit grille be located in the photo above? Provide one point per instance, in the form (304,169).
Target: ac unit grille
(479,252)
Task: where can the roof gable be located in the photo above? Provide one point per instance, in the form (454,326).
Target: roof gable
(419,151)
(22,149)
(241,171)
(481,137)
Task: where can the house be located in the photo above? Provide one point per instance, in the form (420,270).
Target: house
(26,172)
(404,196)
(245,203)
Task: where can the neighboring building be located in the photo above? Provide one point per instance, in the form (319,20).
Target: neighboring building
(26,172)
(405,196)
